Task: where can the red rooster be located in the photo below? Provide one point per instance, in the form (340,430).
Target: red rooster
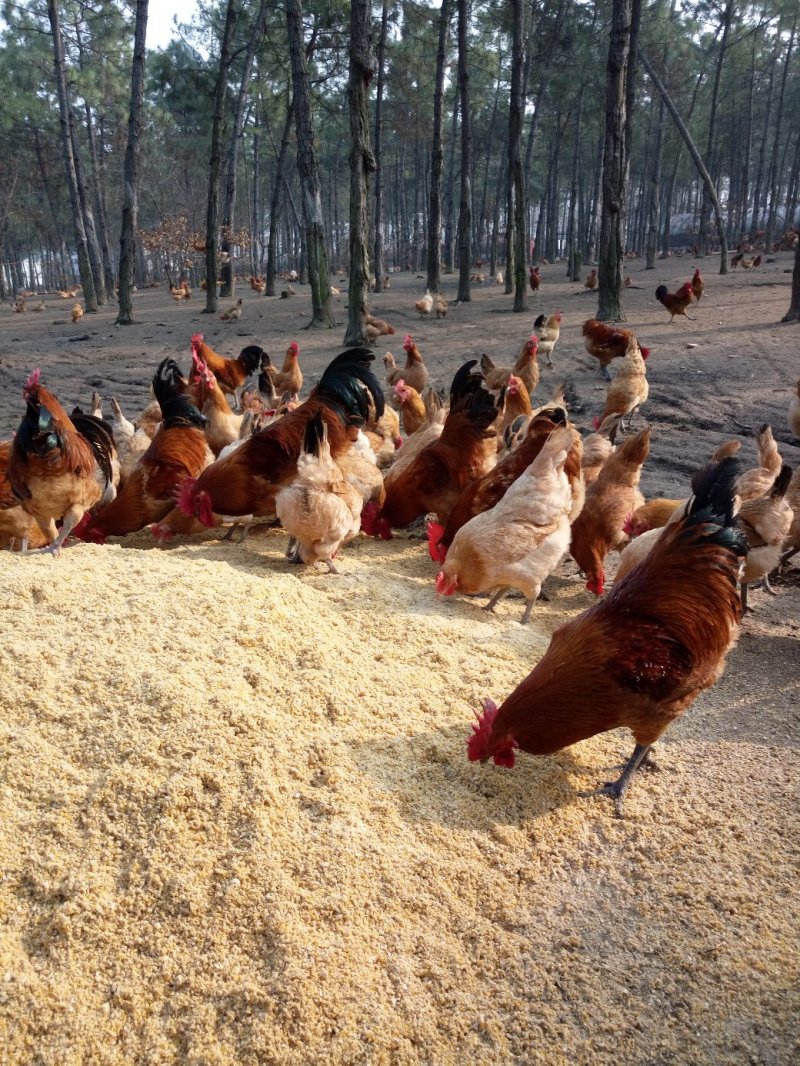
(231,374)
(435,478)
(59,466)
(640,657)
(676,302)
(534,277)
(246,481)
(178,450)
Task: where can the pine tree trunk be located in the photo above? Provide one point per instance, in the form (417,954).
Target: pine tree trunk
(450,197)
(278,192)
(130,196)
(705,209)
(377,252)
(215,156)
(362,164)
(308,170)
(64,106)
(773,179)
(437,154)
(92,242)
(516,111)
(793,314)
(465,201)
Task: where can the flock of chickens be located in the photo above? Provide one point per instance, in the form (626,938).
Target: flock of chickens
(505,490)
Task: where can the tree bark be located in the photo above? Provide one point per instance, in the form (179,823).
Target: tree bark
(229,210)
(465,202)
(130,195)
(437,154)
(377,253)
(615,157)
(215,154)
(793,314)
(773,170)
(278,192)
(308,169)
(64,107)
(698,160)
(516,110)
(705,209)
(362,164)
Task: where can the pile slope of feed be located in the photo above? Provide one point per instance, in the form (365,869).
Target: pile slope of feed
(239,825)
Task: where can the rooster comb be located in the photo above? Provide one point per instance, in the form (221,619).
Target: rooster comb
(32,381)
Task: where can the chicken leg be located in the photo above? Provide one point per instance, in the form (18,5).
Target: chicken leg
(616,789)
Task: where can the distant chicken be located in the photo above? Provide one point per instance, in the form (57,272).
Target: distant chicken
(77,313)
(440,305)
(675,302)
(319,509)
(639,657)
(766,522)
(548,331)
(698,285)
(233,313)
(598,529)
(178,451)
(414,373)
(526,368)
(606,343)
(629,388)
(258,284)
(591,281)
(749,264)
(425,305)
(59,466)
(534,278)
(376,327)
(520,541)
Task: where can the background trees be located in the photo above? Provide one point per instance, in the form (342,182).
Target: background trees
(728,70)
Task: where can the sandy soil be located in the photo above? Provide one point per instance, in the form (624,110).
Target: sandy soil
(239,823)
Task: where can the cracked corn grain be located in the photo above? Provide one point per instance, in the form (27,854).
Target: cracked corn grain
(240,827)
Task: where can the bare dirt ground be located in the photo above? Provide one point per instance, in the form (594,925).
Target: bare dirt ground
(239,823)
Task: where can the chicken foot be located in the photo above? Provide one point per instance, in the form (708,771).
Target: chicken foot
(293,550)
(495,598)
(617,789)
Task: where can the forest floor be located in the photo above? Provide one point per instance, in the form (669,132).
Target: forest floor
(239,822)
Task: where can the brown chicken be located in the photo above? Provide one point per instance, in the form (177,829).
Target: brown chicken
(414,373)
(231,374)
(548,331)
(675,302)
(766,523)
(425,305)
(222,425)
(412,407)
(17,528)
(289,379)
(698,285)
(606,343)
(517,404)
(520,541)
(629,388)
(597,447)
(791,545)
(178,451)
(653,514)
(246,481)
(434,479)
(534,278)
(609,500)
(375,327)
(526,368)
(758,481)
(59,466)
(233,313)
(640,657)
(590,281)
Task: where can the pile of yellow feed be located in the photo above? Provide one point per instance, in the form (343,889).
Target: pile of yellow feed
(239,826)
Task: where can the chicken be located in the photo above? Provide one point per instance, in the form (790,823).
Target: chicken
(794,412)
(425,305)
(233,313)
(59,466)
(17,527)
(548,331)
(181,292)
(436,476)
(246,481)
(222,425)
(258,284)
(289,379)
(609,500)
(535,278)
(526,368)
(698,285)
(654,514)
(766,523)
(77,312)
(359,467)
(319,510)
(675,302)
(488,490)
(792,543)
(376,327)
(606,343)
(412,408)
(640,657)
(414,373)
(590,281)
(748,264)
(757,482)
(440,305)
(517,403)
(430,431)
(231,374)
(520,541)
(597,447)
(629,388)
(178,451)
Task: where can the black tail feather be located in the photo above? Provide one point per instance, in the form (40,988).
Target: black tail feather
(251,357)
(101,438)
(713,504)
(781,482)
(314,434)
(168,381)
(348,381)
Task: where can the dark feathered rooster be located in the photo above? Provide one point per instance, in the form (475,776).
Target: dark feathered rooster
(640,657)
